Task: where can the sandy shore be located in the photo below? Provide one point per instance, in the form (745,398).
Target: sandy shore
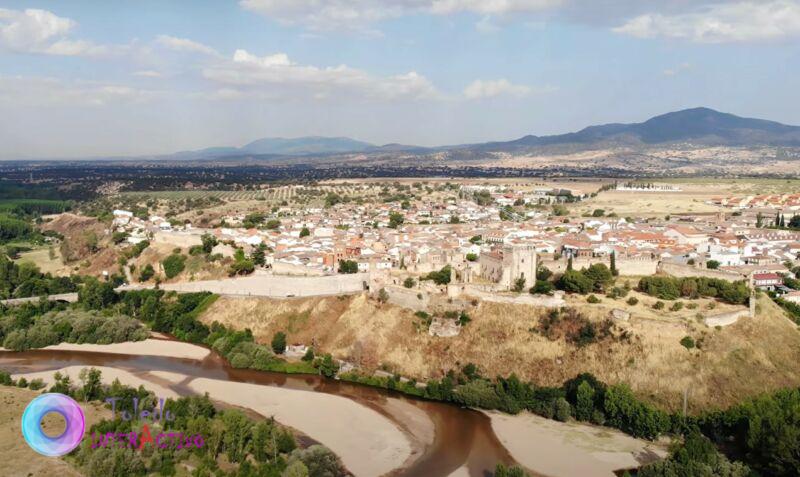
(349,429)
(567,449)
(109,375)
(368,443)
(149,347)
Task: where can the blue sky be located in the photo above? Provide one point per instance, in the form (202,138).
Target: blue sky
(128,78)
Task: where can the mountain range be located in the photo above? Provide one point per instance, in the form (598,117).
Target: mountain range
(702,127)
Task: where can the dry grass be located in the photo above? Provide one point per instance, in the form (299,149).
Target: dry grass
(18,458)
(749,357)
(41,257)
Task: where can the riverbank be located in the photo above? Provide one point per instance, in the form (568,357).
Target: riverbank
(564,449)
(161,346)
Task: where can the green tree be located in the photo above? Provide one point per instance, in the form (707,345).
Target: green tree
(396,219)
(584,406)
(348,266)
(409,282)
(519,285)
(174,265)
(279,342)
(712,264)
(208,242)
(304,232)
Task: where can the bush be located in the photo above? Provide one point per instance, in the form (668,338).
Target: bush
(712,264)
(677,306)
(409,282)
(174,265)
(472,257)
(632,301)
(687,342)
(659,305)
(36,384)
(348,266)
(542,288)
(592,299)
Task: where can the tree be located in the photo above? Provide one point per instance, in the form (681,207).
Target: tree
(598,213)
(759,220)
(573,281)
(383,295)
(319,461)
(327,367)
(472,257)
(569,263)
(273,224)
(794,223)
(208,242)
(348,266)
(259,256)
(519,285)
(409,282)
(279,342)
(712,264)
(174,265)
(91,384)
(600,275)
(543,273)
(396,219)
(305,232)
(96,295)
(146,273)
(542,288)
(584,406)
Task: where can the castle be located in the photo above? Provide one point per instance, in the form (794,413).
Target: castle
(507,264)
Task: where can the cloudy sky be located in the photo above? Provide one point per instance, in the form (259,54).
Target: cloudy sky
(90,78)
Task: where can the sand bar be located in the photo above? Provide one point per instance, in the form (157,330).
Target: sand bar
(148,347)
(368,443)
(560,449)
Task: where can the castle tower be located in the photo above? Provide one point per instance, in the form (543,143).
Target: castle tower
(519,262)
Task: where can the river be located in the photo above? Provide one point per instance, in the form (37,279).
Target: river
(463,438)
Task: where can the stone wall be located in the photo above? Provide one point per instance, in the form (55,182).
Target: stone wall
(678,270)
(625,267)
(277,286)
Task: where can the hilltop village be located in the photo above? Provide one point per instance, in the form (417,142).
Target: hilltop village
(488,236)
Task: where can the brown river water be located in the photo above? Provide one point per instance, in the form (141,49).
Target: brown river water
(463,437)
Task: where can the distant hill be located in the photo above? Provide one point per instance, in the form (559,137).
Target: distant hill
(305,146)
(278,146)
(700,126)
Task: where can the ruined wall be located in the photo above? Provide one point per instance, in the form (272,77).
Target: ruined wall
(625,267)
(678,270)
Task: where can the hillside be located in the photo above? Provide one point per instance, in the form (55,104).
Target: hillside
(700,126)
(744,359)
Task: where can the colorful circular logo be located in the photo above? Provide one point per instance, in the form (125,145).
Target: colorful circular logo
(32,424)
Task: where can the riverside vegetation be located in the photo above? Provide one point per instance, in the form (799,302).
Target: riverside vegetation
(760,433)
(250,448)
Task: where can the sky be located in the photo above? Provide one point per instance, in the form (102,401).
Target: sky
(114,78)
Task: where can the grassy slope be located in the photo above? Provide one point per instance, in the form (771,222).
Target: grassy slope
(18,458)
(741,360)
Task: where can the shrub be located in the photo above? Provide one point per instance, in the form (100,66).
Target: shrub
(592,299)
(677,306)
(174,265)
(632,301)
(659,305)
(542,288)
(687,342)
(409,282)
(712,264)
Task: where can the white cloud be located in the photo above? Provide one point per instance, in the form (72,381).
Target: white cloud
(148,74)
(480,89)
(43,32)
(358,14)
(184,44)
(721,23)
(47,92)
(276,74)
